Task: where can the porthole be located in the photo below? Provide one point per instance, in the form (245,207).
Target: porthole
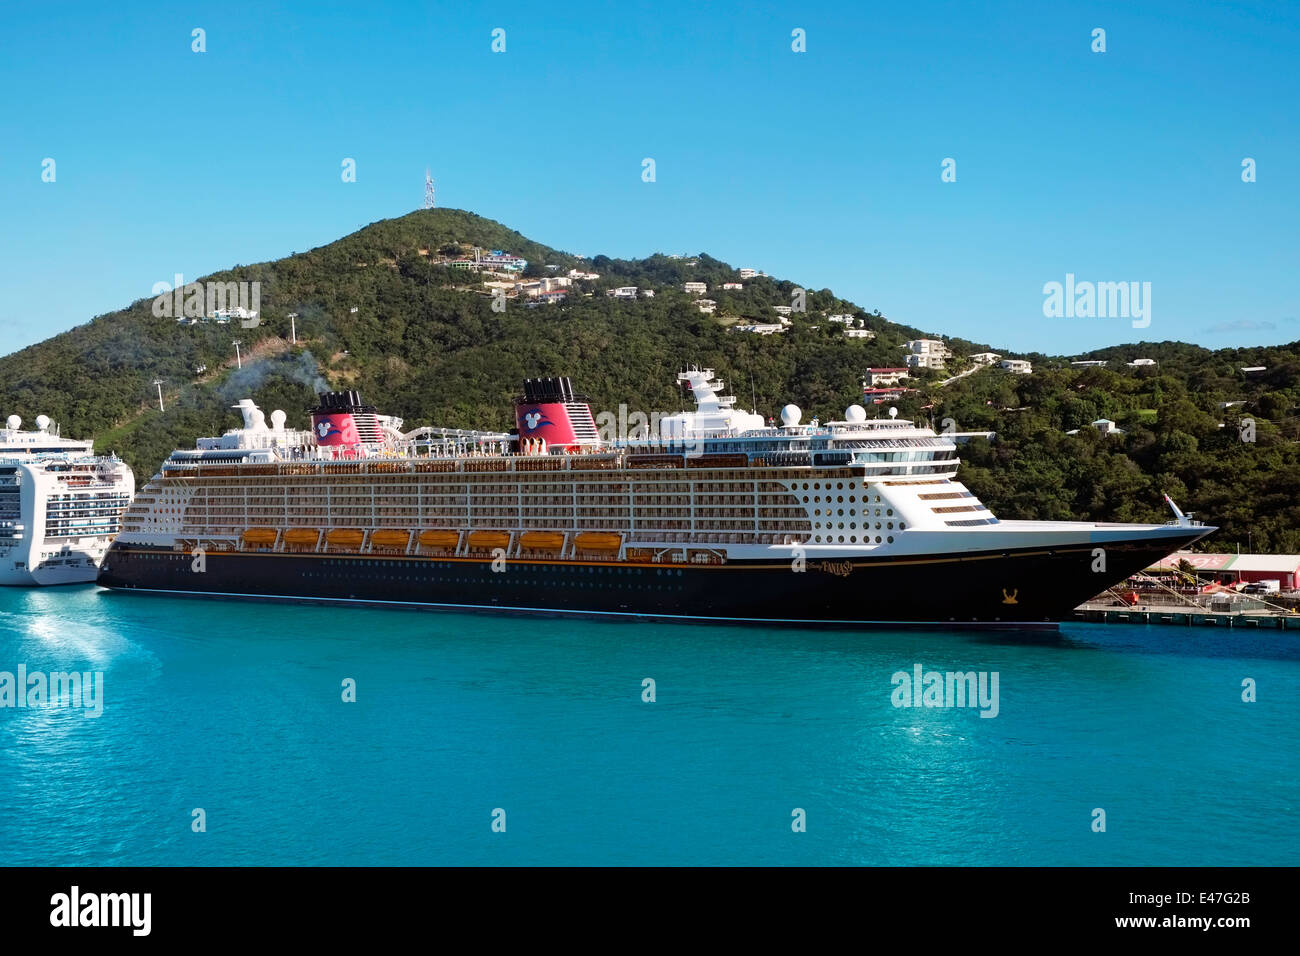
(839,499)
(890,539)
(890,526)
(877,539)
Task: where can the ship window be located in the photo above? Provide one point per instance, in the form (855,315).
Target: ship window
(890,539)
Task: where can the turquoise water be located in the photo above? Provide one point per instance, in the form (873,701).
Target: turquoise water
(236,708)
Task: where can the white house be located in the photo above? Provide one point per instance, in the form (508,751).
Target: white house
(1016,366)
(880,377)
(783,309)
(1140,363)
(1103,425)
(985,358)
(759,328)
(925,360)
(928,347)
(1089,363)
(860,333)
(733,285)
(623,292)
(747,273)
(647,293)
(707,306)
(843,318)
(696,288)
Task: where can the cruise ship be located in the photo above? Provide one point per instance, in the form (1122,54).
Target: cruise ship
(60,505)
(708,514)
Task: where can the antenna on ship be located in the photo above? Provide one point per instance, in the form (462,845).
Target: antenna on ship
(158,383)
(428,189)
(238,360)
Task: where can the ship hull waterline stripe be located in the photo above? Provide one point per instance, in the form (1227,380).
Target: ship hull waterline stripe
(559,612)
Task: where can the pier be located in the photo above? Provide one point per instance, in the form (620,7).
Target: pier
(1186,617)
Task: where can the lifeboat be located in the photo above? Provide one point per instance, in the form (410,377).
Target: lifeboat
(259,536)
(439,539)
(598,541)
(390,539)
(541,540)
(345,537)
(301,536)
(487,540)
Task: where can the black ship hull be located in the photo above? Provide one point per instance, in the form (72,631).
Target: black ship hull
(992,589)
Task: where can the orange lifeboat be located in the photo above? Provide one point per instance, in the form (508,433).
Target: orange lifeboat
(345,537)
(486,540)
(439,539)
(390,539)
(259,536)
(598,541)
(541,540)
(302,536)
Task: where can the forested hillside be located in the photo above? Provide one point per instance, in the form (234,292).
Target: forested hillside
(380,310)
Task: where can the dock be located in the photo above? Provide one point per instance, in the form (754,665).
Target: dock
(1186,616)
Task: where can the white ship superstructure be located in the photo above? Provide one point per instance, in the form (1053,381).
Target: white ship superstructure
(60,505)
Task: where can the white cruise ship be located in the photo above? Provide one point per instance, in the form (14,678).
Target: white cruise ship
(708,514)
(60,505)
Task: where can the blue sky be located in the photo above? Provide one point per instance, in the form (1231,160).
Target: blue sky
(822,167)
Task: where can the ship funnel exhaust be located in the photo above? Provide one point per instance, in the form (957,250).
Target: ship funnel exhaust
(341,419)
(551,416)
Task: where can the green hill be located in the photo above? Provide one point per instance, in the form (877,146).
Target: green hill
(380,310)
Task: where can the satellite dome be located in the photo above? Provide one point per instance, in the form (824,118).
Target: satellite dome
(893,412)
(42,422)
(855,413)
(14,422)
(790,415)
(277,419)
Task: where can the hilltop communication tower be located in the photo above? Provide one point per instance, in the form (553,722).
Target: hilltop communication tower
(428,190)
